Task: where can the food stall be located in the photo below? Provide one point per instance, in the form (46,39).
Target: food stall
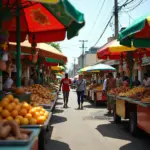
(132,104)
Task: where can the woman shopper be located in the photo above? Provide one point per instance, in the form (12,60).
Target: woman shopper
(81,87)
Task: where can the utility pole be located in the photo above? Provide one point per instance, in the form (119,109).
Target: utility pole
(83,47)
(74,69)
(116,18)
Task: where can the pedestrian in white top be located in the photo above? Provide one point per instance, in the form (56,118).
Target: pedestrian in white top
(81,88)
(146,81)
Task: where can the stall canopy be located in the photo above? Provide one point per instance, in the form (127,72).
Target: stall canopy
(45,50)
(101,67)
(57,68)
(47,22)
(84,69)
(113,50)
(137,34)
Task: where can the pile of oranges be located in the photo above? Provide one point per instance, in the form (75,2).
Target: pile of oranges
(22,112)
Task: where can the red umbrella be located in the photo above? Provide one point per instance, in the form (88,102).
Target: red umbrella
(47,22)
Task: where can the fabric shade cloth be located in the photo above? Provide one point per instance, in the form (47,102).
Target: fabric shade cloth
(57,68)
(47,22)
(137,34)
(45,50)
(114,51)
(101,67)
(46,1)
(84,69)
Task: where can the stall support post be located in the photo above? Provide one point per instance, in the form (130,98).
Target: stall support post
(18,61)
(1,73)
(43,74)
(38,70)
(130,57)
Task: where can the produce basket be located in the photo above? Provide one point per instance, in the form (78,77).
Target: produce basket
(17,142)
(23,97)
(39,125)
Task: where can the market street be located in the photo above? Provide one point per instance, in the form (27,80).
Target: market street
(91,128)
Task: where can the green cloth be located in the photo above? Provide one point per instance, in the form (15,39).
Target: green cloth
(127,36)
(68,15)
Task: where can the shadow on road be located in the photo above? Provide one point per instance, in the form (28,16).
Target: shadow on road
(51,144)
(56,111)
(59,103)
(100,106)
(57,119)
(120,131)
(57,145)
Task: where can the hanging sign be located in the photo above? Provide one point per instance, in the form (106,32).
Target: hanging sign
(47,1)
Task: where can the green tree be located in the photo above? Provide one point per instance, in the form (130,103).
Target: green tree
(56,45)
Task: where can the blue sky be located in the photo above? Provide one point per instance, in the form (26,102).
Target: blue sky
(93,28)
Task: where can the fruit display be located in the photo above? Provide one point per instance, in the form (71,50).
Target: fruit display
(135,93)
(118,90)
(21,112)
(146,95)
(10,130)
(92,86)
(40,94)
(53,87)
(99,88)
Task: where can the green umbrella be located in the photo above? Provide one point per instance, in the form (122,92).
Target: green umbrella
(51,60)
(137,34)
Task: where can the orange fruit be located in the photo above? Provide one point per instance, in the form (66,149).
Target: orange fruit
(4,102)
(24,121)
(14,113)
(25,105)
(13,104)
(9,107)
(28,115)
(1,109)
(41,119)
(41,113)
(9,118)
(17,120)
(10,97)
(23,112)
(36,114)
(46,114)
(33,121)
(16,100)
(18,107)
(19,117)
(5,113)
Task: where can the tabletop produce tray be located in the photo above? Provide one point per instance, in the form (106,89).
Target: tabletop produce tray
(39,125)
(134,101)
(17,142)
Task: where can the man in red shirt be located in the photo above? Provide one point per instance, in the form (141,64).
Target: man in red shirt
(65,83)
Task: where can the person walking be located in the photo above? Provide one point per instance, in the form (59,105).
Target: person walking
(81,88)
(64,84)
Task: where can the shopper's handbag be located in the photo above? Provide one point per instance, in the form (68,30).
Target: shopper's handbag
(79,86)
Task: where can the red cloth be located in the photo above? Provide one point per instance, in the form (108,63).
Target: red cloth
(65,84)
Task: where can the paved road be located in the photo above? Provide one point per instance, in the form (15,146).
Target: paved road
(90,129)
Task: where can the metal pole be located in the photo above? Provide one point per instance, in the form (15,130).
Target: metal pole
(83,47)
(116,18)
(18,61)
(1,74)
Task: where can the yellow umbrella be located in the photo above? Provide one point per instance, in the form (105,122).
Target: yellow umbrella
(47,1)
(57,68)
(115,46)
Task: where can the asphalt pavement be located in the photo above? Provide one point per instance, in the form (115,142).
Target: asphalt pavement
(90,129)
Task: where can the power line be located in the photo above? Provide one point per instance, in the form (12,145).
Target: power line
(70,46)
(97,16)
(103,31)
